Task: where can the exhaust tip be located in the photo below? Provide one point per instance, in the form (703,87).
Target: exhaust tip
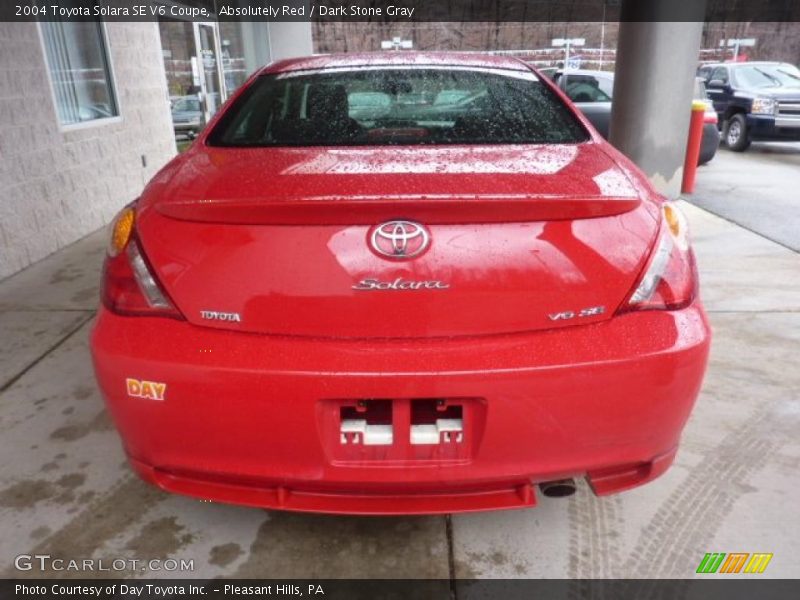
(560,488)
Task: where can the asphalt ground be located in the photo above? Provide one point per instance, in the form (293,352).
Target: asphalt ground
(758,189)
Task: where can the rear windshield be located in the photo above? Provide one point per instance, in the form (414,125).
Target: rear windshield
(370,106)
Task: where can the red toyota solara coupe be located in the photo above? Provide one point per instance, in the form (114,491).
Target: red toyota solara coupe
(399,283)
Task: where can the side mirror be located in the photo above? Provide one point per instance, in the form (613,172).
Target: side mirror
(716,84)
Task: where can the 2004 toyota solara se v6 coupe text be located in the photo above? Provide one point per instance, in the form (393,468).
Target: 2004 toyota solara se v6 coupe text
(399,283)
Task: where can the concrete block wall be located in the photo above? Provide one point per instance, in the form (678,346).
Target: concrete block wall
(57,185)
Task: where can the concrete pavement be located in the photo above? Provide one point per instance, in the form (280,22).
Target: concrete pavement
(757,189)
(65,489)
(736,475)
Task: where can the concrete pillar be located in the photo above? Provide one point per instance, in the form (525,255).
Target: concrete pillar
(290,39)
(255,42)
(653,84)
(265,42)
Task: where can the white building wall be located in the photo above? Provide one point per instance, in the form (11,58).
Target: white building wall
(57,186)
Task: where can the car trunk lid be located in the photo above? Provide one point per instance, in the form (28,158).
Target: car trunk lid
(521,238)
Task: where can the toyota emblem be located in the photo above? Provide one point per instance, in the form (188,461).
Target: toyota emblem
(399,239)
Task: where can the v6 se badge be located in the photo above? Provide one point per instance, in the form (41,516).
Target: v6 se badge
(152,390)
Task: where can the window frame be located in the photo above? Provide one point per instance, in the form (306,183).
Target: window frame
(65,128)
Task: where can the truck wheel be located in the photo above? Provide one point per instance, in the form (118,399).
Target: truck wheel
(736,133)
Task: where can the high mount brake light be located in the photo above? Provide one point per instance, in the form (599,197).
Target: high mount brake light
(129,285)
(670,280)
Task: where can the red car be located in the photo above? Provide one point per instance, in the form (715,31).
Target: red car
(399,283)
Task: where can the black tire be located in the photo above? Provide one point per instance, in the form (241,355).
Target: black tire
(706,156)
(735,134)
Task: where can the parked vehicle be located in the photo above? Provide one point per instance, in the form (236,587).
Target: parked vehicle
(187,116)
(592,93)
(710,140)
(755,101)
(425,312)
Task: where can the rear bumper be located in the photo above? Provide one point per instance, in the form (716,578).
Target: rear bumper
(187,127)
(253,420)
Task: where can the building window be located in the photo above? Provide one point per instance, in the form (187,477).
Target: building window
(77,59)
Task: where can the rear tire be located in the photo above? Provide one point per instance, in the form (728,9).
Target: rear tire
(735,134)
(706,156)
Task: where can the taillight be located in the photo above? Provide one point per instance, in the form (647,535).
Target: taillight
(670,280)
(710,114)
(129,285)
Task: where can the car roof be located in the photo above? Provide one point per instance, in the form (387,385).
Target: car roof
(397,58)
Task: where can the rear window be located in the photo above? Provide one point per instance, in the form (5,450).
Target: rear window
(587,88)
(380,106)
